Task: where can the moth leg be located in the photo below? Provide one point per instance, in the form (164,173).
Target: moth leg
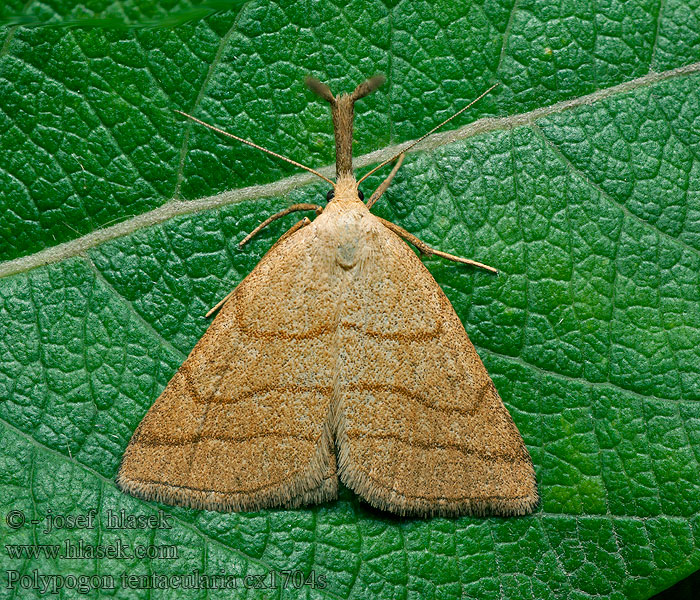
(296,227)
(280,214)
(385,184)
(305,221)
(423,248)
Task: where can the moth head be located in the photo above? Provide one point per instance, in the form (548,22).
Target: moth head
(346,192)
(342,110)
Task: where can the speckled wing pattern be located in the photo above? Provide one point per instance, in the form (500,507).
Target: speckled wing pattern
(339,344)
(243,424)
(420,427)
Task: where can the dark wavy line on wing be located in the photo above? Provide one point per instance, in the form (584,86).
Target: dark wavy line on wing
(361,387)
(461,448)
(327,328)
(420,399)
(153,441)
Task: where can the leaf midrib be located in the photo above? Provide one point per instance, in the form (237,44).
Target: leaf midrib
(177,208)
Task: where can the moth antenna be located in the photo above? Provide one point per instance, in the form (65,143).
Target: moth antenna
(240,139)
(433,130)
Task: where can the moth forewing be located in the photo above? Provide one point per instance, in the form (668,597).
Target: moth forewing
(337,357)
(243,424)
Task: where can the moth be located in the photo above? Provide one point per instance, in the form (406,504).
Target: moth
(337,358)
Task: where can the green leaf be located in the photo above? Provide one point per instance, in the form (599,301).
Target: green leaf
(578,179)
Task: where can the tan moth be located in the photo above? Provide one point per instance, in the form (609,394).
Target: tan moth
(337,358)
